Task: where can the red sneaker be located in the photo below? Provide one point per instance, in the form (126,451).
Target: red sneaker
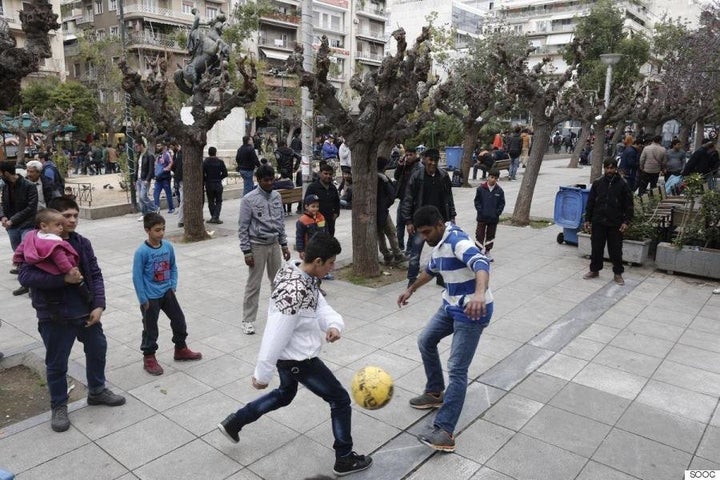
(186,354)
(151,365)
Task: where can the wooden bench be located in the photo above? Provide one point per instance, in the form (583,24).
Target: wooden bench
(501,165)
(291,195)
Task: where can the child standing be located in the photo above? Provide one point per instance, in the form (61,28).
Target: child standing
(309,223)
(155,279)
(489,204)
(45,249)
(299,319)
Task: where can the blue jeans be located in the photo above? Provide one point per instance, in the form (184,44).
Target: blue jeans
(415,246)
(58,338)
(514,165)
(16,235)
(466,335)
(248,185)
(163,185)
(317,378)
(146,205)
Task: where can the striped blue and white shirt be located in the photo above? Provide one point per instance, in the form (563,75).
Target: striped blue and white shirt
(457,258)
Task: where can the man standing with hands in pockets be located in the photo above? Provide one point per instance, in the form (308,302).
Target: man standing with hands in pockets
(467,306)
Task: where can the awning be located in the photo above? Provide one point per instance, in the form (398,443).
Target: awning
(560,39)
(275,55)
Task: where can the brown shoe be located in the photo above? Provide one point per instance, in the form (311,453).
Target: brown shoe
(186,354)
(590,275)
(151,365)
(618,279)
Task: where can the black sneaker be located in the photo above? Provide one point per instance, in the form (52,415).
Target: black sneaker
(427,401)
(60,421)
(227,428)
(106,397)
(20,291)
(351,464)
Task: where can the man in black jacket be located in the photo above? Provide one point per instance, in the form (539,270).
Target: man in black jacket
(247,161)
(704,161)
(214,170)
(427,186)
(608,213)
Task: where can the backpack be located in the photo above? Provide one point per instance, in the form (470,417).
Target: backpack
(57,183)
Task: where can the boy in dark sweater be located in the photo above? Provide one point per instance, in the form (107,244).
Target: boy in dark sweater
(489,204)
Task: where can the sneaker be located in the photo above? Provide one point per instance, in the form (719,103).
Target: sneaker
(617,278)
(181,224)
(438,439)
(14,271)
(151,365)
(716,291)
(323,292)
(329,276)
(227,428)
(388,259)
(142,217)
(60,421)
(401,258)
(427,400)
(590,275)
(20,291)
(351,464)
(172,210)
(186,354)
(218,221)
(106,397)
(248,328)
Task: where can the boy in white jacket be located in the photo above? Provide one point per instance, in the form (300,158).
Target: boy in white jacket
(298,318)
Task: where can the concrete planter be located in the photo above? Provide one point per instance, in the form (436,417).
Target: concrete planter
(703,262)
(634,251)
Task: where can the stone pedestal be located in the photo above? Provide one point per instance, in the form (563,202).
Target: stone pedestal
(225,135)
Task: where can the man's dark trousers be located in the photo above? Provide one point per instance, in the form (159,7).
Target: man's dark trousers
(214,195)
(614,238)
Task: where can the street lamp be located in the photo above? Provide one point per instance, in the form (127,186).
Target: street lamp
(609,59)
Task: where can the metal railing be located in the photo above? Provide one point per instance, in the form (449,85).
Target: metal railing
(376,57)
(157,39)
(82,192)
(161,12)
(368,7)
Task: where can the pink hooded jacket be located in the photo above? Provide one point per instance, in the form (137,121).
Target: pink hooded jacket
(55,257)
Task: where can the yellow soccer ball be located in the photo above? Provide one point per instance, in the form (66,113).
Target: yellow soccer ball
(372,387)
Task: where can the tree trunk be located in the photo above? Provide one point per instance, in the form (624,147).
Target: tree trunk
(683,136)
(541,140)
(472,128)
(598,154)
(584,135)
(384,150)
(699,134)
(22,142)
(364,211)
(614,141)
(193,190)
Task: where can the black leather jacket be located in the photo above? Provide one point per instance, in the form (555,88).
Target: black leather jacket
(413,198)
(610,202)
(23,207)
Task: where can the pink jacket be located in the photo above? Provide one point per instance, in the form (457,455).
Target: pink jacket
(55,257)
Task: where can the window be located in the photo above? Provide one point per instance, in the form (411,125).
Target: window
(98,7)
(100,34)
(76,70)
(112,5)
(328,21)
(114,31)
(211,12)
(187,8)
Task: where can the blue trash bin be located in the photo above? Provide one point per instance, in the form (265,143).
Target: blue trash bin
(453,158)
(570,202)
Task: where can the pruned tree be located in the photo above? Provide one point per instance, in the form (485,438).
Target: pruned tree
(214,93)
(389,100)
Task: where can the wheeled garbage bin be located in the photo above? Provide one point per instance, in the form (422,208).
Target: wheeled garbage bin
(569,212)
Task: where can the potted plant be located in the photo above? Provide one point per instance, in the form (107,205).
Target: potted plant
(696,247)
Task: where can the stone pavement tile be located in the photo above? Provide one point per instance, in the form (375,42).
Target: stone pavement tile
(525,458)
(582,348)
(495,346)
(563,366)
(244,474)
(515,367)
(410,319)
(439,465)
(128,476)
(709,310)
(566,430)
(694,379)
(699,339)
(398,413)
(202,414)
(230,339)
(306,412)
(412,381)
(480,364)
(368,433)
(642,344)
(481,440)
(377,336)
(641,457)
(715,420)
(678,400)
(598,471)
(196,459)
(539,387)
(699,463)
(710,445)
(589,402)
(170,390)
(132,375)
(518,331)
(165,357)
(627,361)
(299,458)
(670,317)
(486,473)
(655,329)
(512,411)
(220,371)
(140,443)
(695,357)
(706,324)
(257,440)
(36,446)
(88,461)
(606,379)
(406,346)
(600,333)
(100,421)
(12,338)
(347,351)
(661,426)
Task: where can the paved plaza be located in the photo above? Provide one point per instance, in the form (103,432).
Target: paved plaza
(573,379)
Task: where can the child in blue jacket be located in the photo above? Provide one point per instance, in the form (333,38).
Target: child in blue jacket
(489,204)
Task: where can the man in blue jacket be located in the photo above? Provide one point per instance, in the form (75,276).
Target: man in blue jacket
(65,315)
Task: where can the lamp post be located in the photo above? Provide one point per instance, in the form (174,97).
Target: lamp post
(127,122)
(609,59)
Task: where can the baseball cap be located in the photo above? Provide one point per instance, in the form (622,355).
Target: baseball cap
(312,198)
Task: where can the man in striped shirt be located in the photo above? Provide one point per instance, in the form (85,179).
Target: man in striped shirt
(467,306)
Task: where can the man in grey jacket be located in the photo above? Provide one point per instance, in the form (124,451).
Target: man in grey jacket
(261,231)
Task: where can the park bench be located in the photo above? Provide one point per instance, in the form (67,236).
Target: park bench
(291,195)
(501,165)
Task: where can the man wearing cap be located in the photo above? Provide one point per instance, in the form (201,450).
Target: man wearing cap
(261,231)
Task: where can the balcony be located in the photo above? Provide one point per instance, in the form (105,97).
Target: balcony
(85,19)
(158,41)
(72,50)
(371,9)
(373,58)
(278,43)
(277,18)
(376,34)
(162,15)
